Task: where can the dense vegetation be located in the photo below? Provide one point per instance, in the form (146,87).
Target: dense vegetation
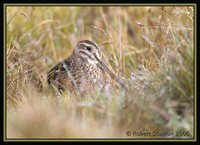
(150,48)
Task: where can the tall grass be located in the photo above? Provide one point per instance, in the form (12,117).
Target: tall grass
(150,48)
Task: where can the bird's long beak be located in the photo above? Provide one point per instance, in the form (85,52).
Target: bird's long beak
(103,66)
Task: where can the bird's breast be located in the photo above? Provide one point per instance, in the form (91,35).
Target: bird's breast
(91,77)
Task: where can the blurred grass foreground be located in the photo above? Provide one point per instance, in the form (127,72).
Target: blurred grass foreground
(150,48)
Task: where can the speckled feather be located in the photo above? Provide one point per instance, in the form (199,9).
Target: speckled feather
(80,71)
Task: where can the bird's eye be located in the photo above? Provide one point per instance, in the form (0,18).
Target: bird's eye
(88,48)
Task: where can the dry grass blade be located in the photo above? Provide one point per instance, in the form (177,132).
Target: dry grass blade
(150,49)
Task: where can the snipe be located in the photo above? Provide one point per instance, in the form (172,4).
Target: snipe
(84,70)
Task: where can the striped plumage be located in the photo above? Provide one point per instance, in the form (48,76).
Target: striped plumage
(83,70)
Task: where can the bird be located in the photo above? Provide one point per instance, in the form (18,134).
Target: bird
(83,71)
